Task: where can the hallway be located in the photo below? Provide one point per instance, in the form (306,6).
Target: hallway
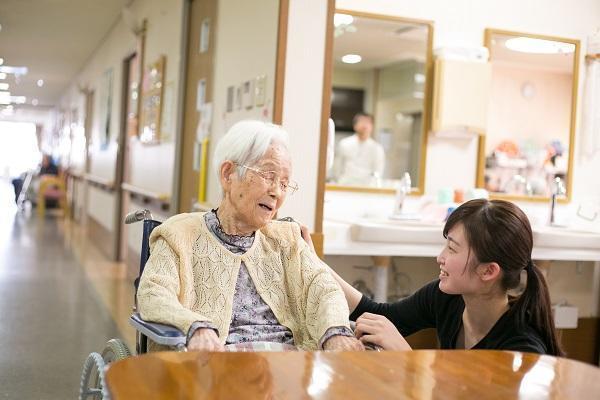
(54,309)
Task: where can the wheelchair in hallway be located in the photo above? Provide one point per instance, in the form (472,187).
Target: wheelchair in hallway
(92,384)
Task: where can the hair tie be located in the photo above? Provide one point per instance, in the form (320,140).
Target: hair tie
(529,266)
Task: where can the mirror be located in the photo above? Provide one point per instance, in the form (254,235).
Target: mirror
(379,102)
(531,116)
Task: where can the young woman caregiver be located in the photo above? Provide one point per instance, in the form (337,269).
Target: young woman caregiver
(488,246)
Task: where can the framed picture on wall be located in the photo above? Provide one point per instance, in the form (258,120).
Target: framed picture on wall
(151,103)
(105,105)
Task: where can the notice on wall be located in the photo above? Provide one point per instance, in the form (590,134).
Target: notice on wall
(204,35)
(203,128)
(200,94)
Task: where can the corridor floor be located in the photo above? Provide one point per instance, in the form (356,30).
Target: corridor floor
(59,300)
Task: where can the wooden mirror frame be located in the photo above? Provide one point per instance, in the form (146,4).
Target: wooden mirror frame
(427,101)
(489,32)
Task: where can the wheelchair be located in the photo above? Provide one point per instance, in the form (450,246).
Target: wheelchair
(92,385)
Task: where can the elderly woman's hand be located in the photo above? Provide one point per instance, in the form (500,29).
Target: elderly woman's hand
(341,343)
(380,331)
(306,236)
(205,339)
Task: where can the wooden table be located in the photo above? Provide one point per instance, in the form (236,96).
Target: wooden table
(423,374)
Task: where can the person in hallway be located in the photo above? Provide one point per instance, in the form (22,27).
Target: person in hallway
(234,275)
(47,167)
(488,246)
(359,160)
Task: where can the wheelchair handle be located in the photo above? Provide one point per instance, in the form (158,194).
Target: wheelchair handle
(139,215)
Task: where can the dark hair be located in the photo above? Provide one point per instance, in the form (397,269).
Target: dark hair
(360,115)
(499,231)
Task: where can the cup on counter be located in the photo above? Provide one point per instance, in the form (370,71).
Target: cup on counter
(445,195)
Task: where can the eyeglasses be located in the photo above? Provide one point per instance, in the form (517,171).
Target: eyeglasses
(270,177)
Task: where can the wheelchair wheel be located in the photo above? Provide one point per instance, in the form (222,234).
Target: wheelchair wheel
(92,379)
(115,350)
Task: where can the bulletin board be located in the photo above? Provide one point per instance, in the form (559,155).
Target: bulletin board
(151,103)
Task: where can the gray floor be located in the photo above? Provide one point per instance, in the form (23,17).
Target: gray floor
(50,316)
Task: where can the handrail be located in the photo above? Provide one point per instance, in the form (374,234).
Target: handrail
(146,193)
(100,182)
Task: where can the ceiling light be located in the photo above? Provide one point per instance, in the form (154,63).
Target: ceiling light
(2,75)
(351,59)
(18,99)
(1,60)
(34,102)
(40,82)
(538,46)
(342,19)
(4,86)
(13,70)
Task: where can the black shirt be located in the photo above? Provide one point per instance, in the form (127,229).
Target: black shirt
(429,307)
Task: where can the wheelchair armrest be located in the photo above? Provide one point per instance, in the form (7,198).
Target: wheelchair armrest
(158,333)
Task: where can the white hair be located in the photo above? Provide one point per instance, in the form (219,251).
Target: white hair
(246,142)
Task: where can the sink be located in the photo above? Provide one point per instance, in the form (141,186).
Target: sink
(397,231)
(564,237)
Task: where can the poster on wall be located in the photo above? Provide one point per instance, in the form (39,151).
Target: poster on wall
(105,104)
(151,103)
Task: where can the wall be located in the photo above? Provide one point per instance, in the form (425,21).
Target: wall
(302,102)
(152,166)
(246,47)
(542,118)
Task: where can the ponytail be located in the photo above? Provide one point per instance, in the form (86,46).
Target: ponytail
(533,308)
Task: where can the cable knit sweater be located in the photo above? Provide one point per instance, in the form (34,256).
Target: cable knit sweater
(190,276)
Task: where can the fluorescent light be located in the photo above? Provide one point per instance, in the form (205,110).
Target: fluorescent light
(18,99)
(4,86)
(2,75)
(40,82)
(538,46)
(13,70)
(342,19)
(1,60)
(351,59)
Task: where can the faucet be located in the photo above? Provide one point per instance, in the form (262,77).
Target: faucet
(402,190)
(557,190)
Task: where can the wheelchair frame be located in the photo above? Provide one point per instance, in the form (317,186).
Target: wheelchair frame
(92,384)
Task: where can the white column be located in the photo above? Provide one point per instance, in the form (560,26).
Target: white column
(303,90)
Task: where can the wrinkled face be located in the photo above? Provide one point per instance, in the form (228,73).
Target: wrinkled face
(456,273)
(363,125)
(254,198)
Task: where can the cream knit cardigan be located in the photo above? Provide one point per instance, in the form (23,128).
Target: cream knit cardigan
(190,276)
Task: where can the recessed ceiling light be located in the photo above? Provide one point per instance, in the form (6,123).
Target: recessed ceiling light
(351,59)
(342,19)
(2,75)
(40,82)
(538,46)
(4,86)
(34,102)
(1,60)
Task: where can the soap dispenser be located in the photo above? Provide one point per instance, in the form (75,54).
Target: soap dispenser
(402,190)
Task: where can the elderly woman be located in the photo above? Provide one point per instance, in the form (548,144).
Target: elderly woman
(234,275)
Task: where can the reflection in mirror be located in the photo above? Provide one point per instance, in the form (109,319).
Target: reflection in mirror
(529,142)
(378,100)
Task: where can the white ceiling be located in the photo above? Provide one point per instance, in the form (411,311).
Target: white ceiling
(381,42)
(53,39)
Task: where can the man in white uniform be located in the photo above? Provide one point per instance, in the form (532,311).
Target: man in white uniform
(359,160)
